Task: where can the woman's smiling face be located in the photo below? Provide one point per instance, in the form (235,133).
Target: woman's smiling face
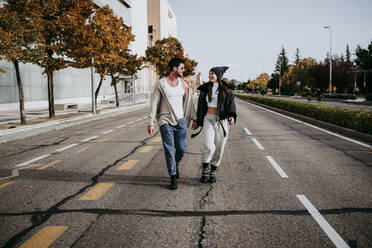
(212,77)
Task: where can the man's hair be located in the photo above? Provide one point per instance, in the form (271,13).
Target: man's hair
(175,62)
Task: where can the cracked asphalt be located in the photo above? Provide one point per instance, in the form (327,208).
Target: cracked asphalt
(250,205)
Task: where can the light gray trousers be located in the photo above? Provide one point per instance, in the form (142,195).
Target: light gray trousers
(213,140)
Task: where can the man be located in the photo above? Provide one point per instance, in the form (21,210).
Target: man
(172,107)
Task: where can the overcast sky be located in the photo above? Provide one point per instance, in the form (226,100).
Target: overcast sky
(248,34)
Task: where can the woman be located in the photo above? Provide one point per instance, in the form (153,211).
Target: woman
(216,109)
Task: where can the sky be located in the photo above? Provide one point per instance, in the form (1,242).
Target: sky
(247,35)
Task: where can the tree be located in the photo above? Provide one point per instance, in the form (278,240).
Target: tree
(260,82)
(297,58)
(163,51)
(281,65)
(364,61)
(302,71)
(117,71)
(19,39)
(273,82)
(282,62)
(113,38)
(61,20)
(348,56)
(190,66)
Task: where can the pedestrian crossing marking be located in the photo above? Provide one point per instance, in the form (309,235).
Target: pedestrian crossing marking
(156,139)
(5,184)
(128,165)
(82,150)
(146,149)
(97,191)
(48,165)
(45,237)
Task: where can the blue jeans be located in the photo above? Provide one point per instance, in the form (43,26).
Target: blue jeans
(173,137)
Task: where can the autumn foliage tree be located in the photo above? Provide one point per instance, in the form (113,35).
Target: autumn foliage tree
(60,20)
(163,51)
(107,46)
(117,71)
(19,39)
(301,71)
(260,82)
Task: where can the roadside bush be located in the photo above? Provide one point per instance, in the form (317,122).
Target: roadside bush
(358,120)
(341,96)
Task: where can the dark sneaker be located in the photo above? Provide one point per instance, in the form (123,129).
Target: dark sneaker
(204,179)
(204,176)
(173,184)
(212,174)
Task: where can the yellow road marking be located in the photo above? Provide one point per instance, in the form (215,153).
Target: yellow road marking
(156,139)
(45,237)
(103,140)
(121,132)
(146,149)
(48,165)
(97,191)
(128,165)
(82,150)
(5,184)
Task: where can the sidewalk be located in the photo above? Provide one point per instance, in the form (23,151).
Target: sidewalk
(38,119)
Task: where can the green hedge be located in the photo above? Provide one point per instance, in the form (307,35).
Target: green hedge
(341,96)
(357,120)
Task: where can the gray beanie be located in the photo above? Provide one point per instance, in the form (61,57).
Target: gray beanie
(219,71)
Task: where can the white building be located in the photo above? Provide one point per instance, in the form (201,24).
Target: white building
(161,19)
(73,85)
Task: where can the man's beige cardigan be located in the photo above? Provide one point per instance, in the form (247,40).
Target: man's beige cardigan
(162,111)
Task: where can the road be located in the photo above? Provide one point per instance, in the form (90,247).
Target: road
(104,184)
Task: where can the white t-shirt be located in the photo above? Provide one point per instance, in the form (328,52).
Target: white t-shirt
(175,97)
(214,100)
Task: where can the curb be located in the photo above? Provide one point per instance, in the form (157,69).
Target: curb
(28,131)
(328,126)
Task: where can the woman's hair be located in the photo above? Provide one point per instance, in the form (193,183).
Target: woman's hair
(222,88)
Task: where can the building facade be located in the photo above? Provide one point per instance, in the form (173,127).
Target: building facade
(74,85)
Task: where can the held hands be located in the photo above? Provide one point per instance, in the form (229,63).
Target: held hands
(151,130)
(231,120)
(194,125)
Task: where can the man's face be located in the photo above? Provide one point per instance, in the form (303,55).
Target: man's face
(180,69)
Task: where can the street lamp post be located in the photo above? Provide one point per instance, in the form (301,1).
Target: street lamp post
(330,58)
(280,75)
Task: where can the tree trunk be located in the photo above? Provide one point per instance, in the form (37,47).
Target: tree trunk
(52,112)
(116,95)
(116,91)
(97,90)
(21,95)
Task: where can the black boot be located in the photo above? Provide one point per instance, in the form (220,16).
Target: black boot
(177,172)
(173,184)
(212,174)
(204,176)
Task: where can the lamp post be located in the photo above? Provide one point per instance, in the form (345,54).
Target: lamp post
(330,58)
(280,75)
